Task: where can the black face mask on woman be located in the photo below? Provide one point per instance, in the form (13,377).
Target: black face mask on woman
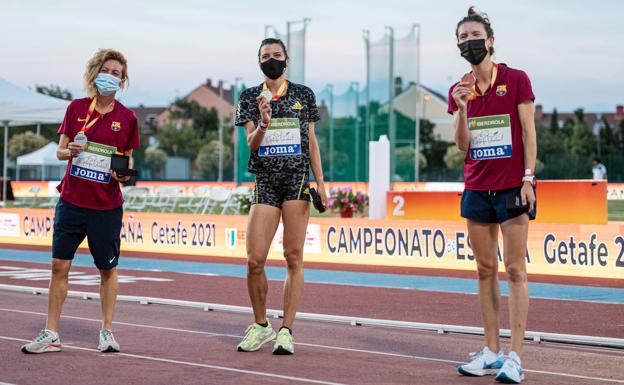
(273,68)
(473,50)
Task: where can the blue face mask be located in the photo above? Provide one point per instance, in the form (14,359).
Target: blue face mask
(107,84)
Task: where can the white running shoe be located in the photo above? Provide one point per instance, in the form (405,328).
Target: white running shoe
(256,336)
(511,372)
(46,341)
(284,344)
(107,342)
(483,363)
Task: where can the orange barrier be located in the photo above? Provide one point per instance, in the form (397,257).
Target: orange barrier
(24,188)
(615,191)
(575,202)
(424,205)
(553,249)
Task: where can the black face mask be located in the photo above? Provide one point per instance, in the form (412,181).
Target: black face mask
(273,68)
(473,50)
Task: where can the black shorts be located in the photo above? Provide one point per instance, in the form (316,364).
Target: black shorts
(490,206)
(101,227)
(276,188)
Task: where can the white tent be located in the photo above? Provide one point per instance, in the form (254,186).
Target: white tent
(43,157)
(19,107)
(22,107)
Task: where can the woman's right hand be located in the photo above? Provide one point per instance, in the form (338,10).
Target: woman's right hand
(74,149)
(265,110)
(461,93)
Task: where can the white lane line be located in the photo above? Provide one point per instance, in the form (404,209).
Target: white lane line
(351,320)
(327,347)
(118,323)
(5,383)
(187,363)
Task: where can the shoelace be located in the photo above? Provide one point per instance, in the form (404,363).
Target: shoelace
(42,336)
(515,364)
(283,338)
(251,331)
(108,335)
(475,355)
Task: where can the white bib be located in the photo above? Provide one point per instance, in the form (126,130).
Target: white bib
(93,163)
(490,137)
(283,138)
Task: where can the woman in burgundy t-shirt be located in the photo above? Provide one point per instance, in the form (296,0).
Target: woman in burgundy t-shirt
(90,204)
(492,109)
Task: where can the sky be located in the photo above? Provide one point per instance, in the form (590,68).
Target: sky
(572,50)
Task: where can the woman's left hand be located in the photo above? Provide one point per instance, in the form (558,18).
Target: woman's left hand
(528,195)
(320,187)
(119,178)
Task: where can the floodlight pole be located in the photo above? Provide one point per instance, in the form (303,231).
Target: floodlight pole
(417,114)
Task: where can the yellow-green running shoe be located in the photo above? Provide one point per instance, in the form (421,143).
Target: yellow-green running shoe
(284,343)
(256,336)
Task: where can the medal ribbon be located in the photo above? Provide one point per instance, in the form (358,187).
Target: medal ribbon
(280,92)
(87,125)
(494,74)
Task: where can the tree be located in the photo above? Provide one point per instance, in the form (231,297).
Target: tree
(539,166)
(208,159)
(609,142)
(202,120)
(54,91)
(155,160)
(554,122)
(405,162)
(179,142)
(549,142)
(620,136)
(580,141)
(454,158)
(341,164)
(25,143)
(431,146)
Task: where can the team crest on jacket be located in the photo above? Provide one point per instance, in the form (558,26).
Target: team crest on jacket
(501,90)
(116,126)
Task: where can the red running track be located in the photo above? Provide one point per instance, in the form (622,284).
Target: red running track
(555,316)
(172,345)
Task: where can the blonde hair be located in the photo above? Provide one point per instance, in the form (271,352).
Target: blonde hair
(95,65)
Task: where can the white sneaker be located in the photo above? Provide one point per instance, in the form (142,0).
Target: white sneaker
(483,363)
(511,372)
(107,342)
(46,341)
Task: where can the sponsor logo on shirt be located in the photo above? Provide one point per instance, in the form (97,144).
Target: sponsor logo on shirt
(501,90)
(116,126)
(81,119)
(297,106)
